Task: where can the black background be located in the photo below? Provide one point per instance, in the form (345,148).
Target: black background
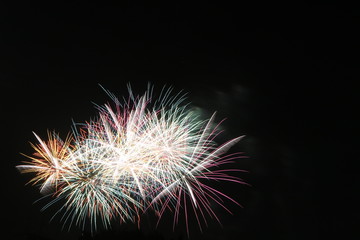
(283,75)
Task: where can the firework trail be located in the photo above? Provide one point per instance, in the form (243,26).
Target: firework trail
(140,154)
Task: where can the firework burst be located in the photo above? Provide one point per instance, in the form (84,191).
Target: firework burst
(139,155)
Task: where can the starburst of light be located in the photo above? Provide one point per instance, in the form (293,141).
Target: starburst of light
(140,154)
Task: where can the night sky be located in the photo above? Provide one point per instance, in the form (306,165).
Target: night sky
(283,75)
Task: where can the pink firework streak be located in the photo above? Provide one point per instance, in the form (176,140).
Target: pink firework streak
(137,156)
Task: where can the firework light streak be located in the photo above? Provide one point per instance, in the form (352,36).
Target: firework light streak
(138,155)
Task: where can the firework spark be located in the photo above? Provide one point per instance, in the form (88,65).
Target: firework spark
(136,156)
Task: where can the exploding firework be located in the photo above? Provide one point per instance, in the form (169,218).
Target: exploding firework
(140,155)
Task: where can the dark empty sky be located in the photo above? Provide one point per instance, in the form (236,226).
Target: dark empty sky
(281,74)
